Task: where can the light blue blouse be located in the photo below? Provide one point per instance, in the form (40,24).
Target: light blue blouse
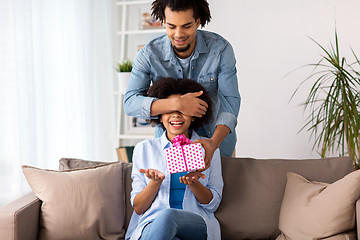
(149,154)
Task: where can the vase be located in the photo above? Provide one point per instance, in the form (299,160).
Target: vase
(123,78)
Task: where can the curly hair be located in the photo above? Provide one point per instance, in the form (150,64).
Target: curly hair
(200,7)
(165,87)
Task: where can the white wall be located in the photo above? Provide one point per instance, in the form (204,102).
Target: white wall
(270,39)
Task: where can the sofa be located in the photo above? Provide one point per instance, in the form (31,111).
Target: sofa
(250,208)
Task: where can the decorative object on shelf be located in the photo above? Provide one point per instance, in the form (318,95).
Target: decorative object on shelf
(333,102)
(124,71)
(147,21)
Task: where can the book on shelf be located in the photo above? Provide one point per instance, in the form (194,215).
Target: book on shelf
(125,153)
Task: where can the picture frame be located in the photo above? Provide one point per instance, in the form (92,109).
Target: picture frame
(138,126)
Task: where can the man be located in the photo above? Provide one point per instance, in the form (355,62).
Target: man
(186,52)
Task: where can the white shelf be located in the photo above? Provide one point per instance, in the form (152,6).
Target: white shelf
(146,31)
(121,3)
(129,15)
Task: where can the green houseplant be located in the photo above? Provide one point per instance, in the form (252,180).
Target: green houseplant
(124,66)
(123,70)
(333,103)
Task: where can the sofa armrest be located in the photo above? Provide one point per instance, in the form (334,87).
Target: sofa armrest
(357,214)
(19,220)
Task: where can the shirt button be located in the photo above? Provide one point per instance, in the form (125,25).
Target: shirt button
(192,67)
(209,132)
(212,79)
(179,70)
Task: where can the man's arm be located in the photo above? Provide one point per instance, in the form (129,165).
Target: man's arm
(188,104)
(137,104)
(210,145)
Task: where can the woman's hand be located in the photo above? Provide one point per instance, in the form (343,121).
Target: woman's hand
(191,178)
(153,174)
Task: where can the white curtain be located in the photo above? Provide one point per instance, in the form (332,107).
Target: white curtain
(56,78)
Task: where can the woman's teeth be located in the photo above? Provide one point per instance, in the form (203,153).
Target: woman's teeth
(176,123)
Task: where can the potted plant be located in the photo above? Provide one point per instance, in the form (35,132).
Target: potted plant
(333,103)
(123,70)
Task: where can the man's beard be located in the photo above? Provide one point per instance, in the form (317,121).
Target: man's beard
(184,49)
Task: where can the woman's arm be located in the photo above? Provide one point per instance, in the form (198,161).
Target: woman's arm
(145,198)
(202,193)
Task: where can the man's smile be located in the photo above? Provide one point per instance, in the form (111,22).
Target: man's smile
(180,41)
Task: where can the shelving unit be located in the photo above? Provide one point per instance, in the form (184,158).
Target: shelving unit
(129,37)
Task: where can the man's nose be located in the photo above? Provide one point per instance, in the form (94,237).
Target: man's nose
(178,33)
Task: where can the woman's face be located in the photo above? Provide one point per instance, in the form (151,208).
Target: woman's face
(176,123)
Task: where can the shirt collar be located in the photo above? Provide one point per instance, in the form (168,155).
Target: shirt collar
(165,143)
(200,47)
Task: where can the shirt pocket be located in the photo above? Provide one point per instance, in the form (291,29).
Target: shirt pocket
(209,81)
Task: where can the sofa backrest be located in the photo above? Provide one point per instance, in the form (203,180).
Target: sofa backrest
(254,188)
(128,208)
(253,192)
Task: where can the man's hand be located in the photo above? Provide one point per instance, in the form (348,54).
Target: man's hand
(189,104)
(153,174)
(191,178)
(210,146)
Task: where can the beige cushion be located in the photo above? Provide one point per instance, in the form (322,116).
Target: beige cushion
(351,235)
(79,204)
(316,210)
(74,163)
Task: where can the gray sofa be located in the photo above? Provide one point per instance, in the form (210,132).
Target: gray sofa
(252,197)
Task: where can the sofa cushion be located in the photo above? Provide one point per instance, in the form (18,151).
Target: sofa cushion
(74,163)
(315,210)
(254,189)
(80,204)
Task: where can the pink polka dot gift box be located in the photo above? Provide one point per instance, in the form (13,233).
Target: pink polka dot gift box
(184,155)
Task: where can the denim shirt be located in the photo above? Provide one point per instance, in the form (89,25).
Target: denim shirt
(212,65)
(150,154)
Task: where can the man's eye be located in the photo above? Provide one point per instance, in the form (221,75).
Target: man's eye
(171,27)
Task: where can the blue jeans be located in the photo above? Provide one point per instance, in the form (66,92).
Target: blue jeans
(174,224)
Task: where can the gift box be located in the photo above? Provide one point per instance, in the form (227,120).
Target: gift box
(184,155)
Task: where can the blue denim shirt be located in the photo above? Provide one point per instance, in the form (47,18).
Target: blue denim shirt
(150,154)
(212,65)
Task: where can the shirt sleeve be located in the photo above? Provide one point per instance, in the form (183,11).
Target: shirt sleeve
(228,90)
(139,182)
(215,183)
(136,103)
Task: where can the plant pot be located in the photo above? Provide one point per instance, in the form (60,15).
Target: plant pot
(123,78)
